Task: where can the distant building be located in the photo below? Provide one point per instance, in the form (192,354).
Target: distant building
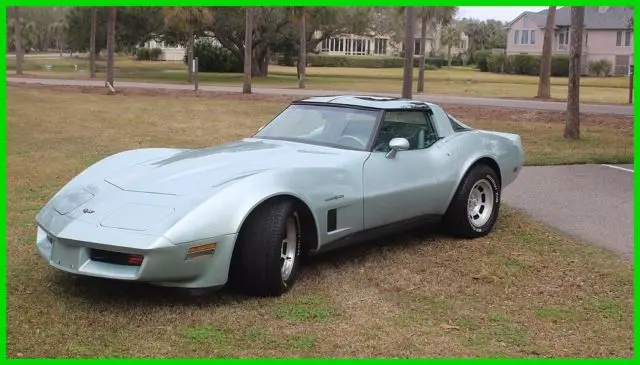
(608,35)
(385,45)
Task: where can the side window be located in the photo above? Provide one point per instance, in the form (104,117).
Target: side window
(414,125)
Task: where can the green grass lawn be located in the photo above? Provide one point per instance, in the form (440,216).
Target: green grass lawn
(522,291)
(463,81)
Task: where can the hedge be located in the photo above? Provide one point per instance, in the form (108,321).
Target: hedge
(146,54)
(369,61)
(480,58)
(525,64)
(213,58)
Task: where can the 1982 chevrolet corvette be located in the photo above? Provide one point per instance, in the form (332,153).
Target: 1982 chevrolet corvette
(325,172)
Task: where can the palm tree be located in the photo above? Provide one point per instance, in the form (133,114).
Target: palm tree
(434,16)
(188,19)
(111,43)
(18,39)
(409,30)
(92,43)
(450,38)
(572,122)
(544,84)
(248,39)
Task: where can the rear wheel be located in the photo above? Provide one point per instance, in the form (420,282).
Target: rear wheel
(268,250)
(475,206)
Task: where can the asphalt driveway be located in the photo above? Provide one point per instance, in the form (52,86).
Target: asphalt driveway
(591,202)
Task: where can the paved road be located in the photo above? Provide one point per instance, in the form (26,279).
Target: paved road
(591,202)
(443,99)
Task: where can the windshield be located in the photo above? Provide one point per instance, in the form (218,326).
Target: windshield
(334,126)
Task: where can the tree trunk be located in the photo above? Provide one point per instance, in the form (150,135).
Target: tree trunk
(544,84)
(302,56)
(409,30)
(572,123)
(111,43)
(190,56)
(449,56)
(248,42)
(423,46)
(92,43)
(18,40)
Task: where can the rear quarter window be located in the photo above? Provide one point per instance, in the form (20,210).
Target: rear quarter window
(457,127)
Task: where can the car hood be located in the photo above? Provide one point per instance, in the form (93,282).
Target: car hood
(190,171)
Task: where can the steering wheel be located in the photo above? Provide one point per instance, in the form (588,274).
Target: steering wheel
(352,138)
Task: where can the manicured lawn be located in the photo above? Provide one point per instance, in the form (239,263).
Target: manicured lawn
(523,291)
(464,81)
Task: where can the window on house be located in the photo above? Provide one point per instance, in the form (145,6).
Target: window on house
(325,45)
(416,45)
(563,37)
(586,39)
(623,38)
(516,37)
(533,37)
(380,46)
(525,37)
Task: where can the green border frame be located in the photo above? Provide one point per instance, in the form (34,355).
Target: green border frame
(3,158)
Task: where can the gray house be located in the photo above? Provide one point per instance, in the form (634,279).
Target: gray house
(608,35)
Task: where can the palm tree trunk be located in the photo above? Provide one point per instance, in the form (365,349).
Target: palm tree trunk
(111,43)
(190,56)
(92,43)
(544,85)
(423,46)
(302,56)
(409,29)
(572,122)
(248,32)
(18,40)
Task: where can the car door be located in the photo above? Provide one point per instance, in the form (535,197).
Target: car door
(408,184)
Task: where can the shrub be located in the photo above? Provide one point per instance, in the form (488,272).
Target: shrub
(354,61)
(526,64)
(154,54)
(498,63)
(560,66)
(457,60)
(600,67)
(213,58)
(370,61)
(480,58)
(142,54)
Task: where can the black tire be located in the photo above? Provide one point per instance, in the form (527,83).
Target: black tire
(256,267)
(456,220)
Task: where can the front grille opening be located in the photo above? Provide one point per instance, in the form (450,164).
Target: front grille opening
(117,258)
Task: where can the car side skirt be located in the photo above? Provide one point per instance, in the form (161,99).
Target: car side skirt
(377,232)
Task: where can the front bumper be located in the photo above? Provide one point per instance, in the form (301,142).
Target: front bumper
(163,263)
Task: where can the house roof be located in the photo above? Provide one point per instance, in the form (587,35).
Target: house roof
(595,17)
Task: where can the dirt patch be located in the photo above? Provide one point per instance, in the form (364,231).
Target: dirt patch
(462,112)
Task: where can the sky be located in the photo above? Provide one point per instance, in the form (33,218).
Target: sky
(503,13)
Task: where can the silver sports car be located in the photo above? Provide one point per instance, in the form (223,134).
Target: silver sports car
(325,172)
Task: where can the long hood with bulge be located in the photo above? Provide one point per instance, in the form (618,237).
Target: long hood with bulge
(191,171)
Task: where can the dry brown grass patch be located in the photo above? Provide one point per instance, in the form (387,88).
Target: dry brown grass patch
(522,291)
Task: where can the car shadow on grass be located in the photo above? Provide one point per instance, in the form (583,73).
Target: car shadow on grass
(124,293)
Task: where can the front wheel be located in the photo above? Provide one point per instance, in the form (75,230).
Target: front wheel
(269,250)
(475,206)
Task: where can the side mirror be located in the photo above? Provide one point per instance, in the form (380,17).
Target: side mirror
(397,144)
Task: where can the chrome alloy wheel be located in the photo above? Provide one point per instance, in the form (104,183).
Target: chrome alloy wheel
(480,203)
(289,248)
